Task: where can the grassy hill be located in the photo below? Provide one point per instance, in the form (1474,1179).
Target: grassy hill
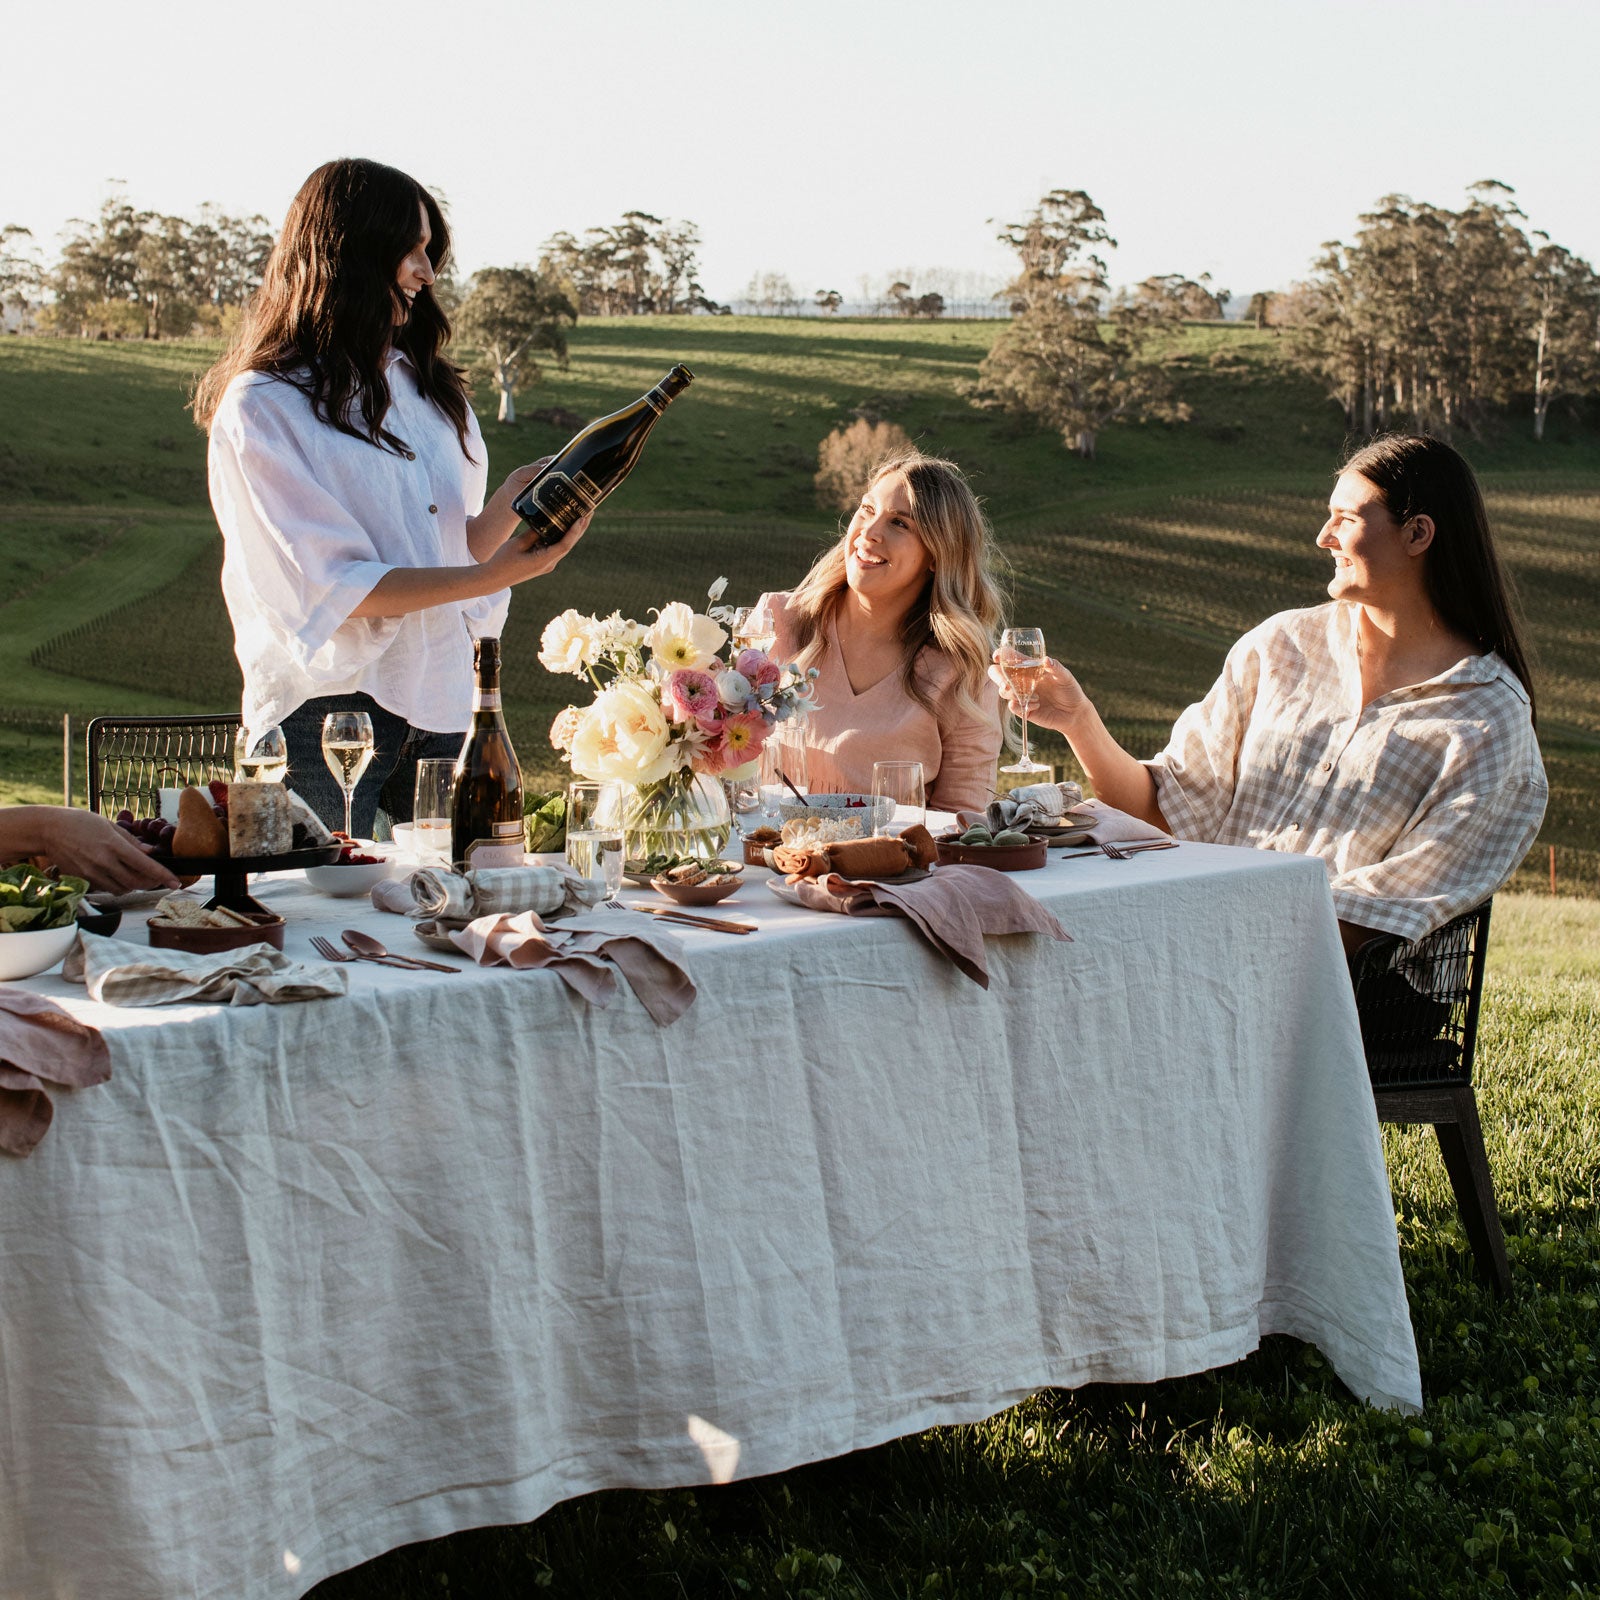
(1141,567)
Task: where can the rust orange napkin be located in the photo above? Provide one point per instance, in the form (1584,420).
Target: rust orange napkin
(41,1043)
(953,908)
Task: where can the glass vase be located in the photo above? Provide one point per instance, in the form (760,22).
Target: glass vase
(685,814)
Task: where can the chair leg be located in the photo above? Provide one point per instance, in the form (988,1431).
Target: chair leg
(1467,1162)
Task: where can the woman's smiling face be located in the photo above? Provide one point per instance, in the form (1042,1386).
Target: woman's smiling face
(415,271)
(885,558)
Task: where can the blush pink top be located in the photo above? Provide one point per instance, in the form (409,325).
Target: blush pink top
(958,750)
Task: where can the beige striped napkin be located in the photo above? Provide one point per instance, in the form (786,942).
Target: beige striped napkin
(119,973)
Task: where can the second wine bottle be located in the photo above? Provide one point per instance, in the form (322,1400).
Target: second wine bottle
(486,827)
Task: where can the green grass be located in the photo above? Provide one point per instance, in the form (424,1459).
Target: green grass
(1140,567)
(1261,1479)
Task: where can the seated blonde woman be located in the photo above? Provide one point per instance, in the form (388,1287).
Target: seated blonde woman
(900,617)
(1390,733)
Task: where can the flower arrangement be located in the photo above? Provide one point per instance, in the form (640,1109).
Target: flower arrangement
(668,705)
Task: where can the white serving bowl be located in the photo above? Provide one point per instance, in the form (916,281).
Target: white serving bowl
(34,950)
(348,881)
(870,813)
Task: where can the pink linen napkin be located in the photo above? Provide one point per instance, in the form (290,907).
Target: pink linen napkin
(41,1043)
(586,953)
(952,908)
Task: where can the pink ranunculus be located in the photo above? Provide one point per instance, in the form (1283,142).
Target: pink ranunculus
(693,692)
(741,739)
(758,667)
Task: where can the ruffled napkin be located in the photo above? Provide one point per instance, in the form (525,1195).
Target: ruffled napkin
(1107,824)
(41,1043)
(1030,803)
(952,909)
(122,974)
(587,953)
(458,897)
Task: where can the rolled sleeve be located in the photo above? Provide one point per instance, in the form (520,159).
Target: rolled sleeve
(1196,774)
(306,559)
(1452,858)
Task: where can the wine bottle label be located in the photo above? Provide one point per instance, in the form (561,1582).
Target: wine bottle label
(495,852)
(565,499)
(486,700)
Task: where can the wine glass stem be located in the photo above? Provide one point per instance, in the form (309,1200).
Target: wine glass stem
(350,794)
(1027,759)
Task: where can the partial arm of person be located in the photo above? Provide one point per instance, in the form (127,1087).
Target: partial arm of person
(404,589)
(969,747)
(1118,778)
(81,843)
(492,526)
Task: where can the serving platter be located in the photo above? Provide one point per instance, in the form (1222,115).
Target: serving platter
(231,873)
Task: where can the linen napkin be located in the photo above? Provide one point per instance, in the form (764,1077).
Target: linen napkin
(587,953)
(1029,803)
(492,891)
(1109,826)
(953,909)
(41,1043)
(119,973)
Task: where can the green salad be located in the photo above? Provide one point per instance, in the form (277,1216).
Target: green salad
(31,901)
(546,818)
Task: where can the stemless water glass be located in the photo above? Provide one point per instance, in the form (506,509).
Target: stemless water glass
(260,757)
(430,814)
(782,756)
(901,783)
(594,832)
(1022,659)
(347,748)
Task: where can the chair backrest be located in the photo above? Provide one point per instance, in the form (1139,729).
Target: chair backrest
(131,759)
(1418,1003)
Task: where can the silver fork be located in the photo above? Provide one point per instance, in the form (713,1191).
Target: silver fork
(331,952)
(1126,852)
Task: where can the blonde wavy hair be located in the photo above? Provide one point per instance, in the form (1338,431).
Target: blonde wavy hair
(960,610)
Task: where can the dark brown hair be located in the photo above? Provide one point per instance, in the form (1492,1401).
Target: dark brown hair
(1418,476)
(324,316)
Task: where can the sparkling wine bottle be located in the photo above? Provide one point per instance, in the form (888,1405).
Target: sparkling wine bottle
(593,463)
(486,808)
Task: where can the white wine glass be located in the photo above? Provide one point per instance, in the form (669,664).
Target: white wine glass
(347,748)
(260,757)
(1022,660)
(752,628)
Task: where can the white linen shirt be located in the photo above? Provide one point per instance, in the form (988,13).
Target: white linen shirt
(1421,804)
(312,519)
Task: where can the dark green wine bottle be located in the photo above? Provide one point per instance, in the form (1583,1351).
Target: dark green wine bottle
(593,463)
(486,806)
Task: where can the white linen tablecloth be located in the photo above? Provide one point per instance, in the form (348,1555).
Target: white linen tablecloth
(304,1283)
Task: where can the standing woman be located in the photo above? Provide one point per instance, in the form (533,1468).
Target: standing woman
(900,617)
(347,474)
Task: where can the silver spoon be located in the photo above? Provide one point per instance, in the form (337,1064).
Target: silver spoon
(365,945)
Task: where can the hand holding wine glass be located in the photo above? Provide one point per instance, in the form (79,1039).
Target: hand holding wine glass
(1022,660)
(347,748)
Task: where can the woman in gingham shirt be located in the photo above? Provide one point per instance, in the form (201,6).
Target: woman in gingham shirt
(1390,732)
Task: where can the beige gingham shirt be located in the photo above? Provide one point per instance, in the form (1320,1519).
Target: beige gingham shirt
(1422,803)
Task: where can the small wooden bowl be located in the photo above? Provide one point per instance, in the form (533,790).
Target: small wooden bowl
(1002,857)
(695,894)
(266,928)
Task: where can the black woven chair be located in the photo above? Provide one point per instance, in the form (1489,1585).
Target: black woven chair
(131,759)
(1418,1005)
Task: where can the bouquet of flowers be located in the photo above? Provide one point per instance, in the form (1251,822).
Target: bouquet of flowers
(668,707)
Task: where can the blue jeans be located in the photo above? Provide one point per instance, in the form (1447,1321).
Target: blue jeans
(390,779)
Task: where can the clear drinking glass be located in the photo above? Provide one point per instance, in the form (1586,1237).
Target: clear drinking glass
(260,757)
(1022,659)
(430,814)
(753,628)
(594,832)
(347,748)
(902,783)
(782,756)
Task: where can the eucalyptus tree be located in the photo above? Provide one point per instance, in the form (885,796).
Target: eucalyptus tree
(1566,328)
(510,314)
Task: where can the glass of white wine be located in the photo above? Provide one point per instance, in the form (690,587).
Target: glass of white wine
(752,628)
(260,757)
(1022,660)
(347,748)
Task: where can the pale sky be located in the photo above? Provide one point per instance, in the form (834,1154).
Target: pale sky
(828,141)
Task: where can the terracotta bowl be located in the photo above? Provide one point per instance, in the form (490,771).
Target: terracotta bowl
(265,929)
(695,894)
(1002,857)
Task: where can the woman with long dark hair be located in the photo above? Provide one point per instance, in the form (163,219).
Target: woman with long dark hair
(1390,732)
(348,474)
